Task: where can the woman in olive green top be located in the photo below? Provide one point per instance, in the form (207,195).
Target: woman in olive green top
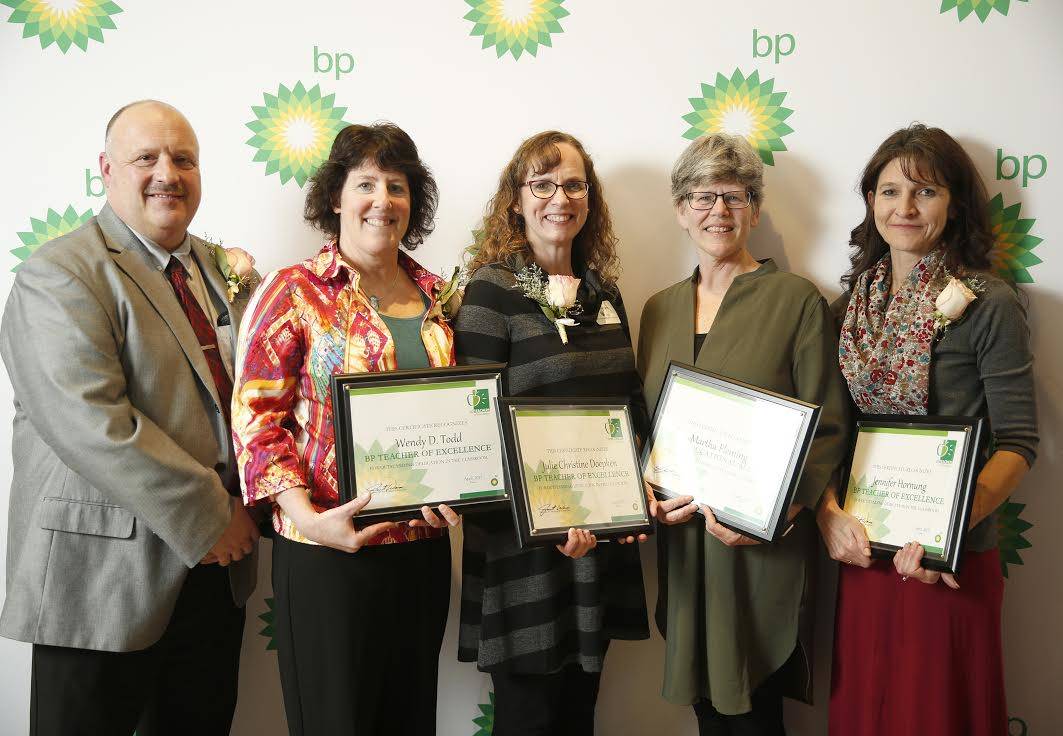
(735,613)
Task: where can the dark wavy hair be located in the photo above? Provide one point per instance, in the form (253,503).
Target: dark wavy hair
(388,147)
(503,228)
(932,156)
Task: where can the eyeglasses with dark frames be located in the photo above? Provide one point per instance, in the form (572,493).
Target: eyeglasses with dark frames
(544,188)
(735,200)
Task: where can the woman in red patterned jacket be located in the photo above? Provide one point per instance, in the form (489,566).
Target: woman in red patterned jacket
(358,635)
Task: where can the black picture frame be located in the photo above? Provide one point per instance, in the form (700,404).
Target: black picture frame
(527,535)
(342,420)
(787,484)
(951,557)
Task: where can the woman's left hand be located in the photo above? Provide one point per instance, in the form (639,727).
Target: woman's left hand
(580,542)
(450,517)
(908,562)
(725,535)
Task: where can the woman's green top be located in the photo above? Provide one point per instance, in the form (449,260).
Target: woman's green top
(731,616)
(410,352)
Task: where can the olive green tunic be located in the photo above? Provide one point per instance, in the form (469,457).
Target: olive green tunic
(733,616)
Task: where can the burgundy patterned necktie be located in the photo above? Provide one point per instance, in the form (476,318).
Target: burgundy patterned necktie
(208,338)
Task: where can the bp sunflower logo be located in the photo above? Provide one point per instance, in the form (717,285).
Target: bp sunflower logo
(1012,254)
(1010,528)
(267,618)
(293,131)
(981,8)
(70,24)
(486,720)
(52,226)
(742,106)
(516,26)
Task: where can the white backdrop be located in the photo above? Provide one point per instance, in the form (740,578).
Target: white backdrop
(620,75)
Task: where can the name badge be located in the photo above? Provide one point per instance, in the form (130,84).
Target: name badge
(607,314)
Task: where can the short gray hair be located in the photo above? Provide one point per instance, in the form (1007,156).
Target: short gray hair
(714,158)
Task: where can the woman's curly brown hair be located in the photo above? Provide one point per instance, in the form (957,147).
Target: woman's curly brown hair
(391,149)
(503,228)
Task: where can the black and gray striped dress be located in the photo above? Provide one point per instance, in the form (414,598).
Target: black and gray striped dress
(535,611)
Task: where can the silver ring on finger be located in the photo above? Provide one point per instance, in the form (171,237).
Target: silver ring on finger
(904,578)
(847,562)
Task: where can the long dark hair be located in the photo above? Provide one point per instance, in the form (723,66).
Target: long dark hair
(933,156)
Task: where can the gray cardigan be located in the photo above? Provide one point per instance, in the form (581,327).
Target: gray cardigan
(982,366)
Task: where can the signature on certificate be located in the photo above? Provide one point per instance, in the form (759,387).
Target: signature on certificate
(546,508)
(383,486)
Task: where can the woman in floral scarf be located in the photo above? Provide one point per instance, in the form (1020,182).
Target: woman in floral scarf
(928,329)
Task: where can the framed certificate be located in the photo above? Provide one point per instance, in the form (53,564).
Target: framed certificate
(573,464)
(912,479)
(735,448)
(423,437)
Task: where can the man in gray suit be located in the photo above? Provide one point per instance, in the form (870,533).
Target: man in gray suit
(130,556)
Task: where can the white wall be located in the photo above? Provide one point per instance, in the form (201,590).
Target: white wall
(619,77)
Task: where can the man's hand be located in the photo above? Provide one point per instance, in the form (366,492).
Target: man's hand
(237,541)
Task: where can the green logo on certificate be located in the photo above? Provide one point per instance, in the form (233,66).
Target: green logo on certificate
(614,429)
(947,451)
(479,400)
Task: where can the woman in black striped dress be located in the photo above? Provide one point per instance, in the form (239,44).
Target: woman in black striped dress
(540,620)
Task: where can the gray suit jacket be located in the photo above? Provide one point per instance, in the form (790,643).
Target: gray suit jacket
(118,443)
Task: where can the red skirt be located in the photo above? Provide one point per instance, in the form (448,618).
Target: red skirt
(911,658)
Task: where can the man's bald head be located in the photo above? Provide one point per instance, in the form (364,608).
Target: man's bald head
(150,168)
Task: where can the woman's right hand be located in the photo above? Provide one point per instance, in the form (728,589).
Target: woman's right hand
(332,527)
(676,510)
(844,535)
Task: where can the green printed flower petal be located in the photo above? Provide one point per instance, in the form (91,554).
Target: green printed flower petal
(516,31)
(1012,255)
(486,720)
(294,130)
(396,479)
(981,8)
(267,618)
(551,488)
(1010,528)
(871,514)
(742,106)
(73,24)
(51,227)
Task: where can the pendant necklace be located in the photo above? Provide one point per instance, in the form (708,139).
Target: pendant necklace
(374,300)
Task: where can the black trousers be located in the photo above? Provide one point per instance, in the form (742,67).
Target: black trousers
(765,719)
(183,684)
(358,636)
(555,704)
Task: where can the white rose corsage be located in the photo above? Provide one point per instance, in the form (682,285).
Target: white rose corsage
(953,301)
(556,296)
(237,266)
(449,293)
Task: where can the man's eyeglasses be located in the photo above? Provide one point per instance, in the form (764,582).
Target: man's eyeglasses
(544,188)
(705,200)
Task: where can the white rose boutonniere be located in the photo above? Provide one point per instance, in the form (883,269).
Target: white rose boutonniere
(237,266)
(556,296)
(953,301)
(449,293)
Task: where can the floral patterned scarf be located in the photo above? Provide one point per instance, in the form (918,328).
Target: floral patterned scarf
(884,349)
